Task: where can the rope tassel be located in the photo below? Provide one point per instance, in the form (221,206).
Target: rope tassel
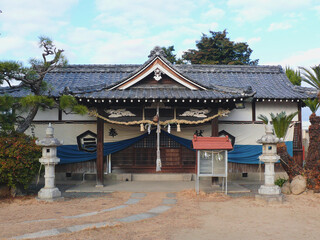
(159,165)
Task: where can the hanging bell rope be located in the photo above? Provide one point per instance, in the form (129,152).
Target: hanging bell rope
(220,113)
(143,118)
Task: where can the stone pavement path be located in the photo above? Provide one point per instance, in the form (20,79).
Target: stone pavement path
(134,199)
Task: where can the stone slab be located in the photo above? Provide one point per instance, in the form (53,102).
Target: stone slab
(169,201)
(132,201)
(81,215)
(63,230)
(160,209)
(41,220)
(138,195)
(45,233)
(77,228)
(113,208)
(136,217)
(171,195)
(54,232)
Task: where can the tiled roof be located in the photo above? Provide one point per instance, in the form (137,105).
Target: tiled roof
(213,143)
(221,82)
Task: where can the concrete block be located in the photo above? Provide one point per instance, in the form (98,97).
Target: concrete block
(127,177)
(187,177)
(162,177)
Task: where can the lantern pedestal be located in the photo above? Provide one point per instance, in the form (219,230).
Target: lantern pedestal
(49,159)
(269,187)
(49,192)
(269,191)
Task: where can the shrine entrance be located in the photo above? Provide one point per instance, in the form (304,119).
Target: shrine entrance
(141,156)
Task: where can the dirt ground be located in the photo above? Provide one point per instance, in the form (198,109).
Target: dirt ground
(207,216)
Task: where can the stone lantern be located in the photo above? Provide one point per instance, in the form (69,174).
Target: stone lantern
(49,159)
(269,190)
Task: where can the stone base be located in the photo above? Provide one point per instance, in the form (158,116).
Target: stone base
(278,198)
(51,200)
(269,190)
(49,194)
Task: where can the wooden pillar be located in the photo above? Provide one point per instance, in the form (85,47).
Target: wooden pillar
(253,111)
(214,126)
(215,133)
(60,115)
(100,140)
(297,139)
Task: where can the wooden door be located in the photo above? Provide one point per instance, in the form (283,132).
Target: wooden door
(141,156)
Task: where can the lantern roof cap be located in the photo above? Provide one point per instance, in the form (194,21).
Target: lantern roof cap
(269,138)
(49,140)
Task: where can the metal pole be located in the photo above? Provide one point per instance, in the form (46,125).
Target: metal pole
(197,172)
(158,161)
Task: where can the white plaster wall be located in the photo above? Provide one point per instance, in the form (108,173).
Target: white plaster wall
(245,134)
(266,108)
(53,114)
(76,117)
(248,134)
(48,115)
(244,114)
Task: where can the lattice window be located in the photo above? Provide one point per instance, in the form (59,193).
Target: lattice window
(151,141)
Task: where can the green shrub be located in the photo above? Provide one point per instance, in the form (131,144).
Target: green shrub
(19,160)
(280,181)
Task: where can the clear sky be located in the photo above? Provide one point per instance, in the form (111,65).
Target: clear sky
(280,32)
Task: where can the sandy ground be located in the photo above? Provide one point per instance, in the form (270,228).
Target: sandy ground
(208,216)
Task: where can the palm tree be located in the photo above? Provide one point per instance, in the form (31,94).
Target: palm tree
(313,105)
(294,76)
(312,77)
(281,123)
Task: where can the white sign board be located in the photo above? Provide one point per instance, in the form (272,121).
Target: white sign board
(212,163)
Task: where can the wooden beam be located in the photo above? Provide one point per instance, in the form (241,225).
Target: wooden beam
(100,140)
